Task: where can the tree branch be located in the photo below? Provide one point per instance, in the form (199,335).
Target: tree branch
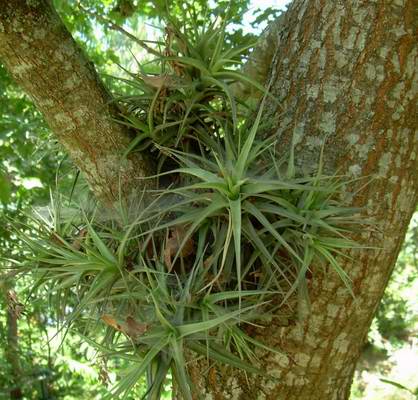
(117,28)
(46,62)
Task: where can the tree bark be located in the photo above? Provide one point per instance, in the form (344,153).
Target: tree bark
(12,353)
(345,73)
(46,62)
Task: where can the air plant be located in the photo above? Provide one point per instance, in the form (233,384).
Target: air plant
(109,271)
(240,193)
(190,89)
(197,262)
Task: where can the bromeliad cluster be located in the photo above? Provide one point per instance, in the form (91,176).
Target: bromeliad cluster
(183,98)
(194,263)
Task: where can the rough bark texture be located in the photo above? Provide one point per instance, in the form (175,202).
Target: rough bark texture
(345,73)
(12,353)
(44,59)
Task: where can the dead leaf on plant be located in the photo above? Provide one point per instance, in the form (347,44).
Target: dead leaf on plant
(130,327)
(111,321)
(134,328)
(173,244)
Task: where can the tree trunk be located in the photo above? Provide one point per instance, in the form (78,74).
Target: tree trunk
(12,353)
(345,73)
(46,62)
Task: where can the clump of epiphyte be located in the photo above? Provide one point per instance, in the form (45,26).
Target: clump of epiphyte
(191,266)
(188,96)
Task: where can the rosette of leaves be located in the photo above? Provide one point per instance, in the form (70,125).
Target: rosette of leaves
(191,268)
(233,242)
(254,208)
(189,90)
(111,283)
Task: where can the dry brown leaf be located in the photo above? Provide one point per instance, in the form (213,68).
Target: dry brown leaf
(79,239)
(111,321)
(134,328)
(157,81)
(173,244)
(160,81)
(130,327)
